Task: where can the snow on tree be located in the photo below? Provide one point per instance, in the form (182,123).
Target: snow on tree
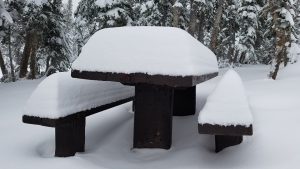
(216,25)
(229,28)
(247,34)
(154,13)
(70,31)
(44,41)
(4,15)
(5,24)
(198,10)
(93,15)
(294,52)
(178,15)
(283,24)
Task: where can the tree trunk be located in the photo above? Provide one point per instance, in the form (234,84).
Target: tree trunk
(165,11)
(283,37)
(33,68)
(2,64)
(176,17)
(216,26)
(12,69)
(193,18)
(201,25)
(26,55)
(47,63)
(231,55)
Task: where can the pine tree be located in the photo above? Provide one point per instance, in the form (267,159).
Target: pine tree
(155,13)
(70,31)
(283,23)
(179,17)
(93,15)
(5,26)
(148,13)
(294,52)
(248,25)
(197,19)
(53,36)
(265,41)
(216,25)
(229,28)
(44,40)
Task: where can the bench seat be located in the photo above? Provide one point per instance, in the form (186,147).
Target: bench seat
(227,114)
(63,102)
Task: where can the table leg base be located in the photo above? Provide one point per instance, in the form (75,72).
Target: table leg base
(153,116)
(223,142)
(184,101)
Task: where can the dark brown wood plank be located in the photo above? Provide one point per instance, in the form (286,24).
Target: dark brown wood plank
(70,138)
(55,122)
(225,130)
(135,78)
(222,142)
(153,116)
(184,101)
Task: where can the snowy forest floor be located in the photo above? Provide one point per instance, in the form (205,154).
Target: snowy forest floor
(275,143)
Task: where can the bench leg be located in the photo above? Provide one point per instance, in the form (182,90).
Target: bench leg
(223,142)
(184,101)
(153,116)
(79,134)
(70,138)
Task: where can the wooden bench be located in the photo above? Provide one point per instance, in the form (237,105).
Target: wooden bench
(64,103)
(227,114)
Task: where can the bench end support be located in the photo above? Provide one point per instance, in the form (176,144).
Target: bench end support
(223,141)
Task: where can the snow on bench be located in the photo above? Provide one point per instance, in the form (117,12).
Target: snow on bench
(63,102)
(227,114)
(60,95)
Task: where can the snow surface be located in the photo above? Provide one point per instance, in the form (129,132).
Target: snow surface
(60,95)
(291,71)
(151,50)
(228,104)
(275,144)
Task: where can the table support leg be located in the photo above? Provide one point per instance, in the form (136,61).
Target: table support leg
(223,142)
(153,116)
(184,101)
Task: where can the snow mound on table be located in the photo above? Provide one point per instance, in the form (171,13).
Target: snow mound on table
(60,95)
(228,104)
(150,50)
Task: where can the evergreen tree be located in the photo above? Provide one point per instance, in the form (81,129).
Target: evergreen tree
(228,36)
(45,45)
(248,25)
(54,36)
(197,18)
(294,52)
(5,26)
(283,24)
(220,6)
(70,31)
(179,17)
(93,15)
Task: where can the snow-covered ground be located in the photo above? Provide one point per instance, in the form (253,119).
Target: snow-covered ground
(275,144)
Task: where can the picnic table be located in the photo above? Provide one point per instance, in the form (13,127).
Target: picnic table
(164,65)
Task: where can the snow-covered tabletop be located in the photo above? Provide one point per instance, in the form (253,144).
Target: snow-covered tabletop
(150,58)
(228,104)
(59,95)
(148,50)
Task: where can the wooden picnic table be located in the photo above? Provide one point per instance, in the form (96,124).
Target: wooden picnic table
(157,99)
(164,64)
